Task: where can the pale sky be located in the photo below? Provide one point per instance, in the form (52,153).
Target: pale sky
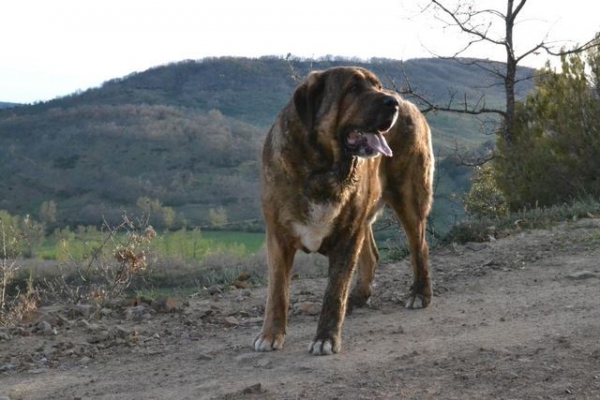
(52,48)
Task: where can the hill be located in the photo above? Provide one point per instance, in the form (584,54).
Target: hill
(188,134)
(96,160)
(4,104)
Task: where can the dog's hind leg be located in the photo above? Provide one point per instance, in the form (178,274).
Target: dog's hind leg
(280,257)
(412,211)
(367,262)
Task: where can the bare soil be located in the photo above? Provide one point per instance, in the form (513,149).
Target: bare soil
(516,318)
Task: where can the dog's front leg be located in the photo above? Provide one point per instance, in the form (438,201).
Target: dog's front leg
(342,262)
(280,257)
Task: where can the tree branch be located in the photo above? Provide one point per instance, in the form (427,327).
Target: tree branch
(463,25)
(587,46)
(518,9)
(431,106)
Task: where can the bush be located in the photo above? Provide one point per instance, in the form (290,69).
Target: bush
(485,199)
(554,154)
(13,302)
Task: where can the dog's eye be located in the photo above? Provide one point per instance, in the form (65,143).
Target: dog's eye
(354,88)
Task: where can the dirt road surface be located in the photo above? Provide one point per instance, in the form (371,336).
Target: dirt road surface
(516,318)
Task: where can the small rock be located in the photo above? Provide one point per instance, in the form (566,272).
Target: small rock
(4,335)
(207,316)
(254,389)
(264,363)
(37,371)
(47,329)
(51,319)
(204,357)
(244,276)
(85,360)
(98,337)
(90,327)
(581,275)
(230,321)
(249,358)
(83,310)
(398,330)
(49,352)
(166,304)
(215,290)
(240,284)
(119,332)
(7,367)
(308,307)
(23,332)
(63,320)
(136,313)
(31,317)
(105,312)
(118,303)
(254,320)
(474,246)
(4,398)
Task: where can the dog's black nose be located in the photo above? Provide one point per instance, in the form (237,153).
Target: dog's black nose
(390,102)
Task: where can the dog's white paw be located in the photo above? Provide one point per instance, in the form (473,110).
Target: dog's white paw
(265,342)
(322,348)
(415,301)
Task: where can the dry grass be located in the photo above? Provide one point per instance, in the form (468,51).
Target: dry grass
(13,305)
(107,272)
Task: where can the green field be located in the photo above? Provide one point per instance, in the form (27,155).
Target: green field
(190,245)
(185,245)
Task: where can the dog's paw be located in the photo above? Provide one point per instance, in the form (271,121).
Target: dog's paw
(324,347)
(357,301)
(417,300)
(268,342)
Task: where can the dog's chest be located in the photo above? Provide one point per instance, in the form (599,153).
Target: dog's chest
(317,226)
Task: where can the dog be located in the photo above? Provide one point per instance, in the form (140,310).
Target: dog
(339,151)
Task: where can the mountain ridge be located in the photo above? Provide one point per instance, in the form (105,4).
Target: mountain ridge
(188,134)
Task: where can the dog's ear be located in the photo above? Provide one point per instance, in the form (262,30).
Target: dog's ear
(308,98)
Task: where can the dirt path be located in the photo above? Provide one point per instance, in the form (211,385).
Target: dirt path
(517,318)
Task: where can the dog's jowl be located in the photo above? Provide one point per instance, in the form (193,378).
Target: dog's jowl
(342,149)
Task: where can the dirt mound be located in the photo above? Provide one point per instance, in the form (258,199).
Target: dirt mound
(516,318)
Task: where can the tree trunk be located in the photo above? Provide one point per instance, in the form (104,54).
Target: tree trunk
(511,72)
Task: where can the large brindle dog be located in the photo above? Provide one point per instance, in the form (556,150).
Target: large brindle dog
(339,151)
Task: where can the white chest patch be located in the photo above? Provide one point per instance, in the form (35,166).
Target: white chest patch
(318,225)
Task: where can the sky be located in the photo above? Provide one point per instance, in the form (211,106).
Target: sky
(51,48)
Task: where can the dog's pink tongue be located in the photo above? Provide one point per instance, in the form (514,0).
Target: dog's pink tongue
(378,142)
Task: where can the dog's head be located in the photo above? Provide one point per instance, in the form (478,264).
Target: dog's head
(347,110)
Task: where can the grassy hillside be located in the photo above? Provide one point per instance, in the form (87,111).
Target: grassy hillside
(98,160)
(187,134)
(4,104)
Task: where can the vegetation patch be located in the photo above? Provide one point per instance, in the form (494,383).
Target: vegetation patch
(485,228)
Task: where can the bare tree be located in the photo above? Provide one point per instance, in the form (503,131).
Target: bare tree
(477,24)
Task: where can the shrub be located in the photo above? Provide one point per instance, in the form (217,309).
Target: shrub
(554,155)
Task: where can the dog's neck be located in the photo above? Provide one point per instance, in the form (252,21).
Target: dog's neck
(333,182)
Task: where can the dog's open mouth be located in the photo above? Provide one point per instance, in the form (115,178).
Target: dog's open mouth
(371,142)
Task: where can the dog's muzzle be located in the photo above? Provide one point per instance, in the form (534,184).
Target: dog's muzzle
(371,142)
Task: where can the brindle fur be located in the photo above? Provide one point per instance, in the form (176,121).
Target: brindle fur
(312,188)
